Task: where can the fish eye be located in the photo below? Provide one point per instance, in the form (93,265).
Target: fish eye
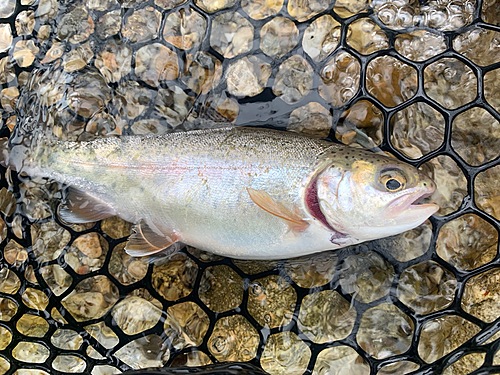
(392,184)
(392,180)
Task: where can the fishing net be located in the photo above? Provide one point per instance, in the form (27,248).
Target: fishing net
(417,80)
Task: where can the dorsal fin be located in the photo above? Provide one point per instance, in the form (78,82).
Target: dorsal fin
(80,207)
(147,239)
(264,201)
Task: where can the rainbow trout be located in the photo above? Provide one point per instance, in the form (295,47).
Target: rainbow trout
(244,193)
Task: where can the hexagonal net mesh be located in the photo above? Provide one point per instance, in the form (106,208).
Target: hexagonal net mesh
(417,80)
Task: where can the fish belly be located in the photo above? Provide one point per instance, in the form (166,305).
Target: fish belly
(195,184)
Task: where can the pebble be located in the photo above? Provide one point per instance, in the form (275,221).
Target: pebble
(56,278)
(391,81)
(366,37)
(47,10)
(78,58)
(417,130)
(109,24)
(385,331)
(141,25)
(131,99)
(8,98)
(450,82)
(144,352)
(341,359)
(426,287)
(7,8)
(175,278)
(169,4)
(5,37)
(321,37)
(271,301)
(348,8)
(326,316)
(442,335)
(278,37)
(312,270)
(35,299)
(260,9)
(100,4)
(89,244)
(294,79)
(231,35)
(7,72)
(173,104)
(247,76)
(185,28)
(25,52)
(304,10)
(419,45)
(92,298)
(366,276)
(221,289)
(486,195)
(25,22)
(361,125)
(475,136)
(103,334)
(55,52)
(14,253)
(134,315)
(32,325)
(233,339)
(339,79)
(212,6)
(285,353)
(467,242)
(69,363)
(8,309)
(114,61)
(186,325)
(9,281)
(202,72)
(155,63)
(30,352)
(76,25)
(87,93)
(481,296)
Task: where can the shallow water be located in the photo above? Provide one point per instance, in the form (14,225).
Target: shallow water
(415,80)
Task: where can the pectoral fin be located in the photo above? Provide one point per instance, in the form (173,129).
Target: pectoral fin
(83,208)
(147,239)
(264,201)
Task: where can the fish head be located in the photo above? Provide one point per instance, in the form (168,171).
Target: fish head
(371,196)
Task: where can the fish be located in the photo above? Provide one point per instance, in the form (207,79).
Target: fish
(240,192)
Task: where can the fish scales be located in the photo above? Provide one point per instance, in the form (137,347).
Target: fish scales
(198,185)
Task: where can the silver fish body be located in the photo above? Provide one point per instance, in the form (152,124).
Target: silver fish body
(202,188)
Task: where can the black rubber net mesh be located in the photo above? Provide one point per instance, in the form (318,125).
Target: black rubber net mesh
(418,80)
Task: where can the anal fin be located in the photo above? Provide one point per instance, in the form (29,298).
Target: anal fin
(146,239)
(83,208)
(264,201)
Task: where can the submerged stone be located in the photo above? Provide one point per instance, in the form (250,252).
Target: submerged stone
(285,353)
(271,301)
(233,339)
(186,325)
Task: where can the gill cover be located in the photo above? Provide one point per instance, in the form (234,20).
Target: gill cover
(375,198)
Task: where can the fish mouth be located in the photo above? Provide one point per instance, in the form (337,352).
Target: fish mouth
(412,203)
